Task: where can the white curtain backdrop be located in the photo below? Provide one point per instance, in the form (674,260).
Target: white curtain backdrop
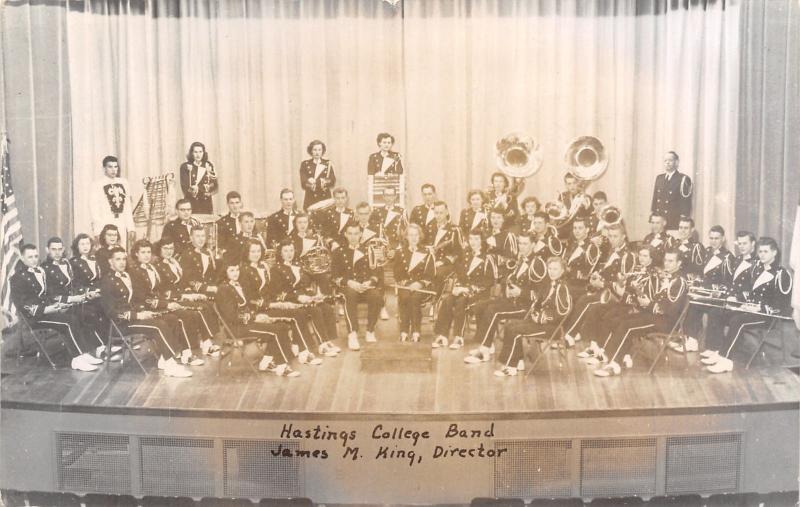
(256,81)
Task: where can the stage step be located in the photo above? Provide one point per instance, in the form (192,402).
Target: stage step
(396,357)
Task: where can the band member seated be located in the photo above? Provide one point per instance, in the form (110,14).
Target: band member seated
(717,275)
(575,201)
(316,174)
(28,287)
(499,197)
(370,235)
(180,229)
(530,207)
(545,237)
(622,300)
(413,273)
(256,280)
(514,303)
(86,270)
(501,243)
(228,226)
(198,179)
(581,257)
(241,317)
(290,284)
(149,291)
(475,273)
(119,297)
(658,238)
(357,276)
(551,304)
(248,233)
(337,218)
(391,216)
(281,223)
(385,161)
(59,278)
(769,292)
(599,201)
(109,238)
(199,266)
(614,268)
(692,252)
(473,218)
(446,245)
(656,314)
(423,214)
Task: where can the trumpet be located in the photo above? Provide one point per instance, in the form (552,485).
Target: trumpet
(212,178)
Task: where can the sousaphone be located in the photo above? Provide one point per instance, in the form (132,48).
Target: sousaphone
(518,156)
(586,158)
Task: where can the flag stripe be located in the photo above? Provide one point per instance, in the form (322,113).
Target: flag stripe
(11,229)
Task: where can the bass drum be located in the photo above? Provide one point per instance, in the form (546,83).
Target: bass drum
(316,213)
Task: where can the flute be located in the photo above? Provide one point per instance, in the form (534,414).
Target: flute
(411,289)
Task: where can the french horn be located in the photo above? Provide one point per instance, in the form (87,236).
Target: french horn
(317,260)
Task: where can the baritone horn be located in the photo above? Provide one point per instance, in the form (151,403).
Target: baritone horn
(518,156)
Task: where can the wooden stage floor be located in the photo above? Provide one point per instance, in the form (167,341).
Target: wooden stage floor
(339,389)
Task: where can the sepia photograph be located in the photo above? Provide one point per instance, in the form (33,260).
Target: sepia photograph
(490,253)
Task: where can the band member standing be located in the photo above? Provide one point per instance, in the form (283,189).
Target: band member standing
(423,214)
(238,314)
(770,289)
(551,304)
(513,304)
(475,274)
(501,243)
(28,287)
(316,175)
(111,201)
(530,206)
(655,314)
(692,252)
(117,297)
(336,219)
(658,238)
(672,193)
(198,179)
(385,161)
(281,223)
(228,226)
(474,217)
(180,229)
(446,246)
(581,257)
(414,270)
(500,197)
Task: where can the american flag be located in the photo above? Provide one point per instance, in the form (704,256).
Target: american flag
(10,236)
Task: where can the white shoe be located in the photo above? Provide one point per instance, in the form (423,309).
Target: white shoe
(209,348)
(341,311)
(608,370)
(352,341)
(491,349)
(403,337)
(326,350)
(480,355)
(430,313)
(569,340)
(91,359)
(458,342)
(307,357)
(384,314)
(188,358)
(173,369)
(162,363)
(333,347)
(577,337)
(370,338)
(79,363)
(709,353)
(713,358)
(284,370)
(415,337)
(724,364)
(627,361)
(521,365)
(439,341)
(98,352)
(505,371)
(691,345)
(598,357)
(266,364)
(295,349)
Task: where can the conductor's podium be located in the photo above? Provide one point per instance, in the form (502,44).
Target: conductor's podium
(394,356)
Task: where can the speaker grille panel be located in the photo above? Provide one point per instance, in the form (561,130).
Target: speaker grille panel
(251,470)
(532,468)
(618,467)
(703,463)
(173,466)
(93,462)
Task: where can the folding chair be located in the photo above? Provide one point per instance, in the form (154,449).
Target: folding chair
(545,345)
(235,345)
(40,342)
(664,339)
(115,335)
(763,340)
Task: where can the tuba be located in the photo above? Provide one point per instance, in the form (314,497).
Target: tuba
(586,159)
(518,156)
(317,260)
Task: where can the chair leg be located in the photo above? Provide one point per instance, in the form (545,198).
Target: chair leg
(661,349)
(42,347)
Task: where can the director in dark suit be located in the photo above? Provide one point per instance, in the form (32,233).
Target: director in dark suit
(672,193)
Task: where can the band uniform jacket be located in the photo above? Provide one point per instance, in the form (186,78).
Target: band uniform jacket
(87,273)
(354,264)
(669,301)
(321,190)
(502,246)
(530,270)
(660,243)
(471,220)
(288,282)
(180,232)
(477,272)
(147,290)
(59,279)
(117,298)
(28,293)
(552,301)
(619,262)
(505,201)
(199,269)
(547,245)
(279,226)
(255,281)
(394,164)
(692,257)
(333,223)
(393,221)
(581,258)
(240,248)
(232,304)
(740,278)
(524,224)
(171,274)
(771,286)
(228,229)
(672,197)
(414,266)
(203,177)
(642,281)
(718,267)
(447,243)
(303,244)
(423,217)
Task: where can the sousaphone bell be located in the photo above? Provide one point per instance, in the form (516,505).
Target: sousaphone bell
(518,156)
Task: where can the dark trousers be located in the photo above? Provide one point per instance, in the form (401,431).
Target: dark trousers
(738,323)
(274,335)
(693,325)
(442,273)
(409,310)
(193,326)
(300,321)
(515,332)
(576,316)
(600,320)
(491,312)
(631,326)
(162,331)
(91,315)
(77,338)
(373,298)
(453,311)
